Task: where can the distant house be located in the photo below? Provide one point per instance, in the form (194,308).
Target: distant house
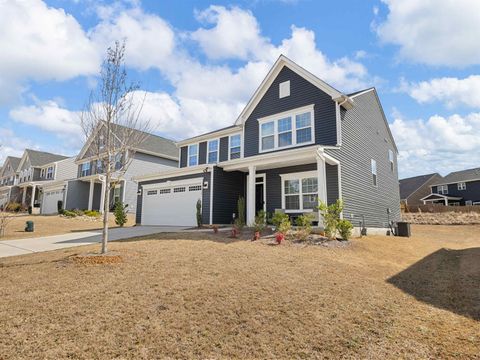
(414,189)
(457,188)
(9,180)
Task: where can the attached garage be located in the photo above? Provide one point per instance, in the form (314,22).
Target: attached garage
(50,200)
(171,203)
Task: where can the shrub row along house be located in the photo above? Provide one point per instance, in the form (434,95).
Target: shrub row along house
(43,180)
(457,188)
(297,141)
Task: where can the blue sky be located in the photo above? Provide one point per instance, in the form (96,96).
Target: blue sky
(200,61)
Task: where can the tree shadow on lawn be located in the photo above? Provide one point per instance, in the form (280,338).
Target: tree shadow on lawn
(447,279)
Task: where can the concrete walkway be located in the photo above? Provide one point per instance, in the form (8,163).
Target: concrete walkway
(48,243)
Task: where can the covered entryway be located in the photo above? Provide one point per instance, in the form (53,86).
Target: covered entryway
(171,203)
(50,201)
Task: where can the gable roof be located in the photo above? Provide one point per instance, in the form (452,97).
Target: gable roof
(460,176)
(152,144)
(409,185)
(14,162)
(272,74)
(39,158)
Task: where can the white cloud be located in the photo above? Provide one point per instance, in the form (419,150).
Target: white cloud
(434,32)
(40,43)
(9,144)
(438,144)
(449,90)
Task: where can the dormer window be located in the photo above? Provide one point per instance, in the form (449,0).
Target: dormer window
(85,170)
(284,89)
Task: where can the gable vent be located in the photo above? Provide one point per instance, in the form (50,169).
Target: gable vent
(284,89)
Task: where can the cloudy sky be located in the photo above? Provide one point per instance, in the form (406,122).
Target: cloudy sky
(199,62)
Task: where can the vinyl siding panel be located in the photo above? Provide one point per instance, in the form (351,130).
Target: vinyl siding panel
(205,195)
(472,192)
(227,188)
(77,195)
(422,191)
(365,136)
(302,93)
(66,169)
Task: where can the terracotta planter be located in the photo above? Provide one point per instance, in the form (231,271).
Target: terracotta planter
(215,229)
(234,233)
(279,237)
(257,235)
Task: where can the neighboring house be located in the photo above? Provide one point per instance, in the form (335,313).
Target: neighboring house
(9,180)
(457,188)
(37,171)
(414,189)
(154,154)
(296,141)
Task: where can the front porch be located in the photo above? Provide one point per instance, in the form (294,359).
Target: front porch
(441,199)
(292,182)
(30,195)
(96,192)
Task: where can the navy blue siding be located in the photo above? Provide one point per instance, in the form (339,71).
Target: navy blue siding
(302,93)
(227,188)
(472,192)
(205,195)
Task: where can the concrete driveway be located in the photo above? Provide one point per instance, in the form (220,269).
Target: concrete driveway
(48,243)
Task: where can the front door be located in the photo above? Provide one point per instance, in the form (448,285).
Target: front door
(259,193)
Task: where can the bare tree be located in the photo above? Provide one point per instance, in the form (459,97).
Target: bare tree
(112,125)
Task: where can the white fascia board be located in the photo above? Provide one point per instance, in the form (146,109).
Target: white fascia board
(167,184)
(174,173)
(209,136)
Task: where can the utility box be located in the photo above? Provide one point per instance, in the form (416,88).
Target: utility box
(29,226)
(403,229)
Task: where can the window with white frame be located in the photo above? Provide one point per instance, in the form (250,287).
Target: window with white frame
(212,156)
(284,89)
(50,172)
(468,202)
(442,189)
(391,160)
(193,155)
(85,169)
(300,192)
(374,172)
(42,173)
(461,186)
(235,146)
(288,129)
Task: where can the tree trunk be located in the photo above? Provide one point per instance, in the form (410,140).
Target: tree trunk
(106,210)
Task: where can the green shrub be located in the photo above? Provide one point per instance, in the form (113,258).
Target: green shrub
(120,213)
(29,209)
(69,213)
(277,218)
(285,226)
(199,213)
(304,223)
(60,206)
(91,213)
(13,206)
(331,216)
(260,221)
(345,228)
(241,212)
(78,212)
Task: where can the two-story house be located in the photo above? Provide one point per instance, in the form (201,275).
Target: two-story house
(153,154)
(457,188)
(36,171)
(414,189)
(8,180)
(297,141)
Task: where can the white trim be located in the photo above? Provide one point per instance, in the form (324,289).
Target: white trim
(211,193)
(197,154)
(455,182)
(463,187)
(272,74)
(173,173)
(206,137)
(241,145)
(299,176)
(362,92)
(292,114)
(208,150)
(338,120)
(169,184)
(264,183)
(374,173)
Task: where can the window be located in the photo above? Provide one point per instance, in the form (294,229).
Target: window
(85,169)
(374,172)
(50,172)
(42,173)
(164,191)
(193,155)
(118,161)
(235,147)
(461,186)
(212,151)
(300,193)
(195,188)
(287,129)
(116,194)
(152,192)
(99,166)
(391,160)
(442,189)
(284,89)
(179,189)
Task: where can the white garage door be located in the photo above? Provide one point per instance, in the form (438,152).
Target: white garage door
(50,200)
(172,203)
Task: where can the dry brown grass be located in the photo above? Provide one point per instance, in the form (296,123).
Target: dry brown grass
(380,298)
(442,218)
(46,225)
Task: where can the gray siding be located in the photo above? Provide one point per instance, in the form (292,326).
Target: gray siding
(302,93)
(227,188)
(223,156)
(66,169)
(36,174)
(202,153)
(424,190)
(472,192)
(205,195)
(77,195)
(365,136)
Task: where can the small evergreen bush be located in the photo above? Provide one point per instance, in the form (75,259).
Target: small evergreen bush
(120,213)
(199,213)
(345,228)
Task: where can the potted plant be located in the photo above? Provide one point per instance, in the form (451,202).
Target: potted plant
(283,228)
(234,232)
(259,224)
(215,229)
(279,237)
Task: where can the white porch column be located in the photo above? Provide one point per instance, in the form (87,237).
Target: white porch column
(251,195)
(24,195)
(90,194)
(102,196)
(446,202)
(322,184)
(32,199)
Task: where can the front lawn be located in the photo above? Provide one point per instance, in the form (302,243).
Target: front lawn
(379,298)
